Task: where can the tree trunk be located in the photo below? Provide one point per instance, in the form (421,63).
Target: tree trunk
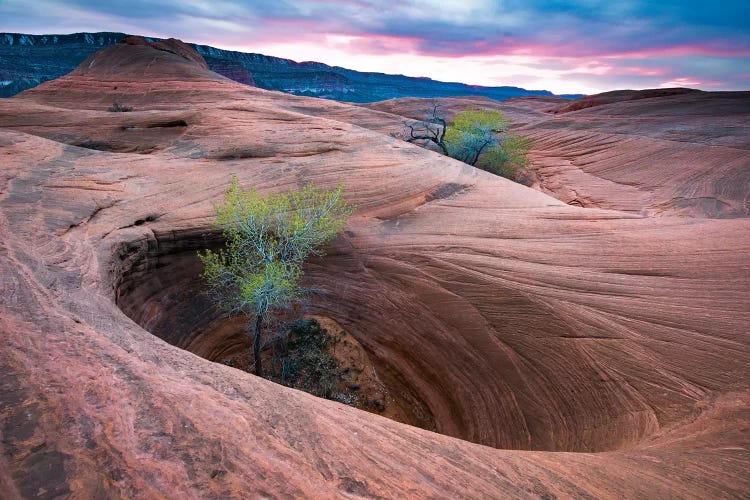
(256,345)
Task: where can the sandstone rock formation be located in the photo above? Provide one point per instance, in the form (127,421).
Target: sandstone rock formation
(616,96)
(519,109)
(658,151)
(686,154)
(559,350)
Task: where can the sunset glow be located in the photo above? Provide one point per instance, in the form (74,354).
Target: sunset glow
(584,46)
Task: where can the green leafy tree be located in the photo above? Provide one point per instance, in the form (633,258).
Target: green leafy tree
(268,241)
(477,137)
(507,158)
(473,132)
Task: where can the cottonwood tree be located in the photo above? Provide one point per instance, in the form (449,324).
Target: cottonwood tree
(268,241)
(476,137)
(508,158)
(472,132)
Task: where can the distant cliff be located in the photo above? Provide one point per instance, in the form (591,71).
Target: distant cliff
(28,60)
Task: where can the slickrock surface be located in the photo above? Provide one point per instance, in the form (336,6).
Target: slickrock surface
(616,96)
(520,110)
(684,155)
(559,350)
(652,152)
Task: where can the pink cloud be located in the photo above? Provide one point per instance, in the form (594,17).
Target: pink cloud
(516,47)
(375,44)
(682,50)
(643,71)
(691,82)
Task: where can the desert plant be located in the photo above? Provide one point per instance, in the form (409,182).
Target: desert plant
(268,241)
(477,137)
(431,129)
(507,158)
(303,359)
(473,132)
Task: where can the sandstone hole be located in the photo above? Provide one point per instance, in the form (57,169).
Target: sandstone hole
(161,290)
(159,287)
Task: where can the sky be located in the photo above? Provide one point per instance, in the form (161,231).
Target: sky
(582,46)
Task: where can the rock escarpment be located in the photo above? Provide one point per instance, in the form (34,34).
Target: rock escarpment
(595,351)
(32,59)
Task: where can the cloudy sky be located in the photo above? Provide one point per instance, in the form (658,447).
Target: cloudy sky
(580,46)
